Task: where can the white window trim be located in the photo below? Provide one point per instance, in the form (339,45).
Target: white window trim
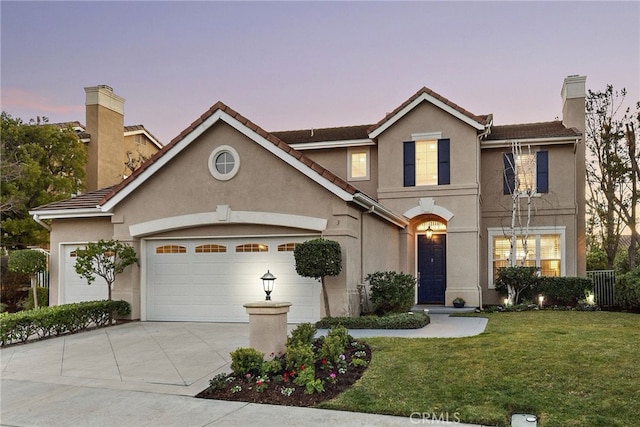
(357,150)
(426,136)
(212,163)
(533,232)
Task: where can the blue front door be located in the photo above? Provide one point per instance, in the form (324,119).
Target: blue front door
(432,269)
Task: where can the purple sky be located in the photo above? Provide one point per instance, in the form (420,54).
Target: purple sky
(291,65)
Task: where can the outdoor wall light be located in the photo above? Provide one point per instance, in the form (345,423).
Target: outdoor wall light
(267,284)
(429,232)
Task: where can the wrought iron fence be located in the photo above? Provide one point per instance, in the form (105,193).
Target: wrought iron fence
(604,282)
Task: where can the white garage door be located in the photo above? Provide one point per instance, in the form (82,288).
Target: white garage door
(210,279)
(75,288)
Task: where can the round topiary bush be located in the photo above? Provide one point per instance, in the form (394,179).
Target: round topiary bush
(391,292)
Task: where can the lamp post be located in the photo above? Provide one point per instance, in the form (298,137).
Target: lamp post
(267,284)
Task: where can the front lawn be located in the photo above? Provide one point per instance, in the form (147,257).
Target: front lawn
(569,368)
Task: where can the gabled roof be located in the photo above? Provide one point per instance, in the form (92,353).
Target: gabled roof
(140,129)
(106,199)
(426,94)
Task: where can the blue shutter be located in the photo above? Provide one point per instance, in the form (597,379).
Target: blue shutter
(509,181)
(409,163)
(444,166)
(542,171)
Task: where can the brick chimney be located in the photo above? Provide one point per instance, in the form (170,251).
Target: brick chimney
(105,124)
(573,116)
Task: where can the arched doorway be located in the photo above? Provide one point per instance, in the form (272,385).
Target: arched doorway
(431,260)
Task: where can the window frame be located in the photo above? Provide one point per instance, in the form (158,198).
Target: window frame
(443,153)
(214,156)
(534,232)
(359,150)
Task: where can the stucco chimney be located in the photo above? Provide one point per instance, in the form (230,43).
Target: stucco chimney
(573,116)
(573,97)
(105,124)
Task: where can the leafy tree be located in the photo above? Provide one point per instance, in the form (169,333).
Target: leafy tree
(104,258)
(516,280)
(318,258)
(40,163)
(30,262)
(612,170)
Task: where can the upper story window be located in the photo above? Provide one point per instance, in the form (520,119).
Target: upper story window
(526,172)
(426,160)
(358,164)
(224,163)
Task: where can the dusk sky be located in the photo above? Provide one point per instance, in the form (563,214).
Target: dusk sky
(295,65)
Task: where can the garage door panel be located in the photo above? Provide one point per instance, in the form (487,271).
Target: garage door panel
(214,286)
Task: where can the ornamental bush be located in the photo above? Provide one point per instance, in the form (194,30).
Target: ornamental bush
(299,355)
(391,292)
(304,333)
(246,360)
(627,290)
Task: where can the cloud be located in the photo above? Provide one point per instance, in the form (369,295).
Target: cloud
(14,99)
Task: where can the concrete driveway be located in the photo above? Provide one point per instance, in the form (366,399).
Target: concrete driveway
(146,374)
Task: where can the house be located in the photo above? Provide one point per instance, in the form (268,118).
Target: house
(426,190)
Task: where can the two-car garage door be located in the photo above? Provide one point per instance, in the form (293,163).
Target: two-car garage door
(211,279)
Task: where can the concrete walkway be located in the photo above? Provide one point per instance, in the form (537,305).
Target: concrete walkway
(146,374)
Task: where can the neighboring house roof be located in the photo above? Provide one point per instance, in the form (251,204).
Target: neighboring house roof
(106,199)
(128,130)
(140,129)
(344,133)
(426,94)
(554,129)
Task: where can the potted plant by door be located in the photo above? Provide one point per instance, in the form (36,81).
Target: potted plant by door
(458,302)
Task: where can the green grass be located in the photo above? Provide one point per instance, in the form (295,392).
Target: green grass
(569,368)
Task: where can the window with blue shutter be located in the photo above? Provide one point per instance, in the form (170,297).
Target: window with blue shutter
(409,150)
(509,177)
(542,172)
(426,162)
(443,162)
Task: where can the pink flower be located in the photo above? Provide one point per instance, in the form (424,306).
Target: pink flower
(333,375)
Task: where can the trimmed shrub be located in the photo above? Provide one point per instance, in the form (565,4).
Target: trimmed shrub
(59,319)
(627,290)
(299,355)
(246,360)
(391,292)
(565,291)
(392,321)
(304,333)
(521,278)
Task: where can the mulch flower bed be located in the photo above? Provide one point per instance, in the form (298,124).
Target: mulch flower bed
(280,389)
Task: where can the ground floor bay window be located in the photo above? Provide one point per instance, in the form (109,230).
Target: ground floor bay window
(545,249)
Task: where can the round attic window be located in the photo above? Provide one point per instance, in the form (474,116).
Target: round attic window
(224,163)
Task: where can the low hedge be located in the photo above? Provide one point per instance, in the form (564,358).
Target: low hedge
(60,319)
(392,321)
(563,290)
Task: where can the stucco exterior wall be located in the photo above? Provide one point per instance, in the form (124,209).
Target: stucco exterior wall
(556,209)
